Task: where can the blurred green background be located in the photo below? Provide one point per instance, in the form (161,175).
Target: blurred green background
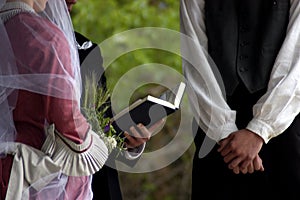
(99,20)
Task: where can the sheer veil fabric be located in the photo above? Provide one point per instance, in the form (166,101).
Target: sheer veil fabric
(44,63)
(65,84)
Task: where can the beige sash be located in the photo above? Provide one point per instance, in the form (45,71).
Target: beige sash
(58,155)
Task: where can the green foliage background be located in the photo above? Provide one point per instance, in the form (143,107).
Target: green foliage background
(99,20)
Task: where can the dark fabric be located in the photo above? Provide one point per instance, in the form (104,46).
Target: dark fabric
(5,168)
(212,174)
(91,58)
(244,37)
(105,183)
(211,179)
(281,159)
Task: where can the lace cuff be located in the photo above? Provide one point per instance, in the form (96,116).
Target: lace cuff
(75,159)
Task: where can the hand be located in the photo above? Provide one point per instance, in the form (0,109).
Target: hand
(256,165)
(139,136)
(240,150)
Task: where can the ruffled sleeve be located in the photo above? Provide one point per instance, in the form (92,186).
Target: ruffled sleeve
(75,159)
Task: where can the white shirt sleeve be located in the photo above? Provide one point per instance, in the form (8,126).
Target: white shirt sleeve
(204,83)
(276,110)
(135,153)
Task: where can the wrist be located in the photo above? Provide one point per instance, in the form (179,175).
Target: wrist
(256,135)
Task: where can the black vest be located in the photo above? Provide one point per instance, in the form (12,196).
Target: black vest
(244,37)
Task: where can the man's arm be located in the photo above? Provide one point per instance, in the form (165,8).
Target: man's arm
(204,83)
(276,110)
(216,117)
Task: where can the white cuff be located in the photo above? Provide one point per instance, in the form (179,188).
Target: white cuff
(75,159)
(262,129)
(133,154)
(222,132)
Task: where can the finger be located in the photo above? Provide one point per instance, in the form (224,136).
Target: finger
(250,168)
(245,163)
(228,158)
(257,163)
(236,170)
(244,170)
(258,166)
(225,146)
(145,133)
(235,163)
(262,168)
(130,141)
(226,150)
(157,126)
(244,166)
(135,139)
(223,143)
(134,132)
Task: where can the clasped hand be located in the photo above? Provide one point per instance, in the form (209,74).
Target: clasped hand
(240,151)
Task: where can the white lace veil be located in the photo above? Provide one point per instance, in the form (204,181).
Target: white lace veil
(17,73)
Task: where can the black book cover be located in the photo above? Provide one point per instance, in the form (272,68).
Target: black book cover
(150,109)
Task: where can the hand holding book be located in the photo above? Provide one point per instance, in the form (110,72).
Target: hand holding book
(140,134)
(149,109)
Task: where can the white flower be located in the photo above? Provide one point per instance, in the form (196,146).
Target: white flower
(110,142)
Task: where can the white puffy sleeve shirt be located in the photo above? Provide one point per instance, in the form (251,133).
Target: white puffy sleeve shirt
(275,110)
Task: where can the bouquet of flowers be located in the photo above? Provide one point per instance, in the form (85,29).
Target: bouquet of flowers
(94,105)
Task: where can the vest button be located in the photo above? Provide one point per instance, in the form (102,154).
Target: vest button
(243,57)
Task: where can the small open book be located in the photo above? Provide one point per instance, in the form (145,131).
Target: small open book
(149,109)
